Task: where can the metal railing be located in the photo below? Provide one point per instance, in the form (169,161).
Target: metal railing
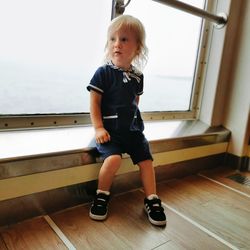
(220,20)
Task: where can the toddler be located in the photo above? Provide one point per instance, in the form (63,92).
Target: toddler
(115,89)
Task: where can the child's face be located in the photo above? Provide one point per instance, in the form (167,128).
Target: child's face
(122,48)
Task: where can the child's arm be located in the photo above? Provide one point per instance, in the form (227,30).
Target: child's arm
(137,100)
(101,134)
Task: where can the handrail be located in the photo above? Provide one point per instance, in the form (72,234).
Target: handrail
(118,8)
(220,19)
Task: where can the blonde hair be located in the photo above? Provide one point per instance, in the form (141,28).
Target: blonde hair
(135,25)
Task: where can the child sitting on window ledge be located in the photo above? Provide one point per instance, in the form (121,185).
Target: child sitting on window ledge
(114,97)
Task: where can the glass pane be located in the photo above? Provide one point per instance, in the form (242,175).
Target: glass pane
(49,50)
(172,39)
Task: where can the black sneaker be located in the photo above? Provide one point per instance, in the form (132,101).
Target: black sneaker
(99,208)
(155,211)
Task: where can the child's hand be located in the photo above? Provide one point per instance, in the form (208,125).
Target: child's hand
(102,135)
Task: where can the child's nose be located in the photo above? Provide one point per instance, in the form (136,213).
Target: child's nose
(117,43)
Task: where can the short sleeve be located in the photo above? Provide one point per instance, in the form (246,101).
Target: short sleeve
(97,81)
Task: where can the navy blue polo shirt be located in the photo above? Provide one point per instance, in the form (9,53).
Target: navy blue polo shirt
(119,90)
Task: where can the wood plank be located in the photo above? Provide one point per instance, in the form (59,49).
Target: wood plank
(177,233)
(221,175)
(215,207)
(128,220)
(170,245)
(85,233)
(127,227)
(2,244)
(32,234)
(184,235)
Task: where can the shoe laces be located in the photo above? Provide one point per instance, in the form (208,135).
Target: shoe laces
(101,200)
(154,205)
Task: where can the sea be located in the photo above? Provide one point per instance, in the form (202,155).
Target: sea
(28,90)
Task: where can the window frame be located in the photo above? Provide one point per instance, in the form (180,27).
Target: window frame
(79,119)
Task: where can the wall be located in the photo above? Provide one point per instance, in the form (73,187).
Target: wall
(237,105)
(227,90)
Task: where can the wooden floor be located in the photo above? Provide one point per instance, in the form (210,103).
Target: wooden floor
(205,211)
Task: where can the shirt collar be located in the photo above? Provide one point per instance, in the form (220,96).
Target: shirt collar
(132,69)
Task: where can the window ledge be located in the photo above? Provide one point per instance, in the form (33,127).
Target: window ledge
(26,144)
(34,161)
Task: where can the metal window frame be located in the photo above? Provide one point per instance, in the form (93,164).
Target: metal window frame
(69,120)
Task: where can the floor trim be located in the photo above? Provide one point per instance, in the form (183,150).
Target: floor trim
(59,233)
(205,230)
(224,185)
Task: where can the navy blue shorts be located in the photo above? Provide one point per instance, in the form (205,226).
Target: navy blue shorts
(133,143)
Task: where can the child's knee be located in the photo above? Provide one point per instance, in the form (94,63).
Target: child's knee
(113,160)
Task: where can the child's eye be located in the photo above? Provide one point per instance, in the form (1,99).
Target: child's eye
(124,39)
(112,39)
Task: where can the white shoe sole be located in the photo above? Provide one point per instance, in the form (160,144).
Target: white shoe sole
(98,217)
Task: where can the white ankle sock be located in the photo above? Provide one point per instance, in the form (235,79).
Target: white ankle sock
(99,191)
(152,196)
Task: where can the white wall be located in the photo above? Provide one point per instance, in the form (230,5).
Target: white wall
(238,101)
(227,87)
(212,99)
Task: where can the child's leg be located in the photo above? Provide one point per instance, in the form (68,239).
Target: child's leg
(148,177)
(99,208)
(152,203)
(107,172)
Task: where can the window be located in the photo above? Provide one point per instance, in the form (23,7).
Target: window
(173,41)
(49,50)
